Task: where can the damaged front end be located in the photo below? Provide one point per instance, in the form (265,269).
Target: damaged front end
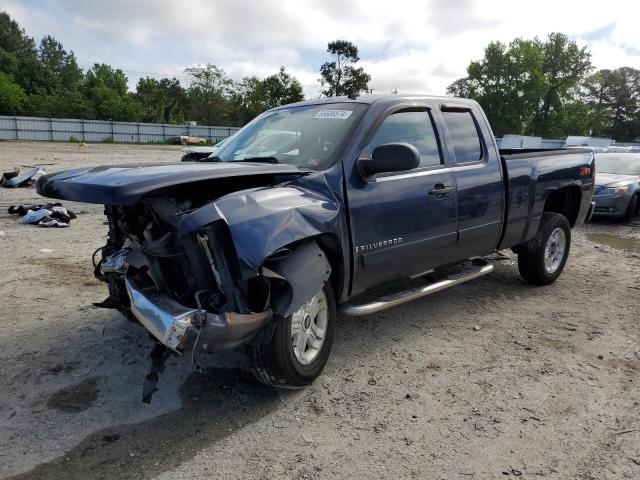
(205,256)
(184,290)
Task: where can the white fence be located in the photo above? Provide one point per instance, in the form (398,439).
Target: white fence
(65,129)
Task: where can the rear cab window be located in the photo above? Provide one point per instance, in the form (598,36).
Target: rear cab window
(414,126)
(463,135)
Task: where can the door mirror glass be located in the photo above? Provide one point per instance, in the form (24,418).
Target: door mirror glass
(390,157)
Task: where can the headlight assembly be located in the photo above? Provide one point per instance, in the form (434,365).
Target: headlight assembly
(613,190)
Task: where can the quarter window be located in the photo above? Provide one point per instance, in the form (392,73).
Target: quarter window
(464,136)
(414,127)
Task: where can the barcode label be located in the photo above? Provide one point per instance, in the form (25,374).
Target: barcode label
(337,114)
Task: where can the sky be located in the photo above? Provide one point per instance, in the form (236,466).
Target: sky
(411,46)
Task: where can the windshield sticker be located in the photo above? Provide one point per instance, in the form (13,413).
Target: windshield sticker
(337,114)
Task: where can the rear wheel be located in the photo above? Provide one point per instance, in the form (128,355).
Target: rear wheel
(542,262)
(632,209)
(299,347)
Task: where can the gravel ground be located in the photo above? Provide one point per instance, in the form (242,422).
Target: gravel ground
(492,379)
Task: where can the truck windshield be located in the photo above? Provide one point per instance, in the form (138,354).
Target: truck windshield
(623,164)
(307,136)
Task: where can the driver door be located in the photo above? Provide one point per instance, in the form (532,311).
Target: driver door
(403,223)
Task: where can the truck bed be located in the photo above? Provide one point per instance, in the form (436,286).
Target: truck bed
(531,178)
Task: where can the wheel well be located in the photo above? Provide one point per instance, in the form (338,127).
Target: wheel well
(325,244)
(331,247)
(565,201)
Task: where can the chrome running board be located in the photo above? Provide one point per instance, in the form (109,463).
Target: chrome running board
(480,268)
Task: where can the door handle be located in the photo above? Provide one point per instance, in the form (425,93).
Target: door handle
(440,189)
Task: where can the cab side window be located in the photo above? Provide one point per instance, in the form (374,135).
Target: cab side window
(464,136)
(410,126)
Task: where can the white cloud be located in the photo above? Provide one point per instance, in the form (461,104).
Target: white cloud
(415,46)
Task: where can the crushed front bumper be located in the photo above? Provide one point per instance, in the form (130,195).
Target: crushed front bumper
(182,329)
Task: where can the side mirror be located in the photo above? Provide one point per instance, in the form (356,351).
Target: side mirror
(390,157)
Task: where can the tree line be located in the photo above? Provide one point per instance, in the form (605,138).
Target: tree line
(548,88)
(45,80)
(535,87)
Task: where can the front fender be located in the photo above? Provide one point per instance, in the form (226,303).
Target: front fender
(262,221)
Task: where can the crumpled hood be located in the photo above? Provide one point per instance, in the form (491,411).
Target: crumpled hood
(614,179)
(126,184)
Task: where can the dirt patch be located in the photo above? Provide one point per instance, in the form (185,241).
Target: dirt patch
(217,402)
(64,367)
(62,271)
(546,385)
(75,398)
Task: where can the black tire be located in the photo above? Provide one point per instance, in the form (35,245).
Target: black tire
(632,209)
(531,258)
(273,362)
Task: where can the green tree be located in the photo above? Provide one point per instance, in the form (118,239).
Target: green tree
(12,96)
(507,82)
(340,76)
(162,101)
(252,96)
(208,95)
(60,68)
(528,86)
(103,76)
(121,108)
(582,118)
(616,95)
(281,88)
(106,89)
(564,67)
(247,100)
(18,56)
(63,103)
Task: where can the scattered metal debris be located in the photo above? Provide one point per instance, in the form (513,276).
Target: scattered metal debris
(15,179)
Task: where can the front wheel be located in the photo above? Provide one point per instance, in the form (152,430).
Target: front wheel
(299,346)
(544,259)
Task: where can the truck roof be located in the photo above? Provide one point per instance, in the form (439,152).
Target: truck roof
(390,98)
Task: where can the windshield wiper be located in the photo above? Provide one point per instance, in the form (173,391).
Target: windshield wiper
(270,159)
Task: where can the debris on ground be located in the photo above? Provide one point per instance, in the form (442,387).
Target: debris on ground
(80,372)
(47,215)
(15,179)
(110,438)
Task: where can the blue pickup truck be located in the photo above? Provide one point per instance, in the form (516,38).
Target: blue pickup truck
(351,204)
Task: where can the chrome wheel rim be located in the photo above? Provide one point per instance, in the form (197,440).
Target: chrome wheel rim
(309,328)
(554,250)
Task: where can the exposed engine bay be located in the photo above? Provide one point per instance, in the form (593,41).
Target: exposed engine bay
(210,256)
(184,285)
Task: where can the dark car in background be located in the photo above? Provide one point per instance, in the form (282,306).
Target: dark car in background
(197,154)
(617,188)
(202,154)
